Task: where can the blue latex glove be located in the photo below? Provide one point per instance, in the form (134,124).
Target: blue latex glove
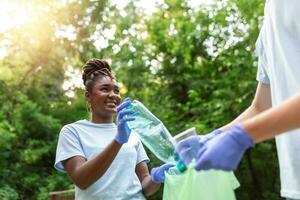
(158,173)
(188,149)
(123,115)
(225,150)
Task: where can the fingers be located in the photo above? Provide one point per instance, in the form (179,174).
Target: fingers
(185,156)
(179,147)
(166,166)
(155,177)
(183,143)
(205,139)
(124,112)
(202,164)
(200,159)
(124,104)
(200,152)
(122,121)
(127,99)
(127,119)
(125,116)
(187,143)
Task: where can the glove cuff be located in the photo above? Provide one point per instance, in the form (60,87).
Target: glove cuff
(118,140)
(242,137)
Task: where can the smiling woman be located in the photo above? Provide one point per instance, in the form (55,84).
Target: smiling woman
(102,90)
(98,155)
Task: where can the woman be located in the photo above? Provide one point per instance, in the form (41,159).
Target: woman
(98,155)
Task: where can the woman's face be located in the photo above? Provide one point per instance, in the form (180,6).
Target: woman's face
(104,97)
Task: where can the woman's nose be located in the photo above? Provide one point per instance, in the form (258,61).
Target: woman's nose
(111,93)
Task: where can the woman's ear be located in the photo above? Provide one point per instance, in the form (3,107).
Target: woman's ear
(87,96)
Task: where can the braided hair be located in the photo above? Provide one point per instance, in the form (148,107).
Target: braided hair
(93,70)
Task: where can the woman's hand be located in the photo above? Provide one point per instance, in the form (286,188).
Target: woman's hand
(123,116)
(158,173)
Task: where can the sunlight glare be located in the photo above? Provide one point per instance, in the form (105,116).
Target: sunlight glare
(12,15)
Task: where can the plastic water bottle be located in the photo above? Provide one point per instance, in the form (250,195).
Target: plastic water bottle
(152,132)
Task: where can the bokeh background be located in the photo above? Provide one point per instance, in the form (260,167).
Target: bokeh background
(192,63)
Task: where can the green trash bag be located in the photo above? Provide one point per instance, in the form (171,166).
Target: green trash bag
(202,185)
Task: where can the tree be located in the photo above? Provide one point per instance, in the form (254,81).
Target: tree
(190,65)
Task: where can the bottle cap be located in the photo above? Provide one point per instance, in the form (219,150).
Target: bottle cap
(181,166)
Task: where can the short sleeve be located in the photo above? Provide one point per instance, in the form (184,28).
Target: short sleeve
(68,146)
(261,75)
(141,154)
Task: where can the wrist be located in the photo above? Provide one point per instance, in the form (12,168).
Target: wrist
(119,140)
(116,142)
(241,136)
(250,126)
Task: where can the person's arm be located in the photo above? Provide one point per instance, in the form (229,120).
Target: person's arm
(84,173)
(148,186)
(226,150)
(260,103)
(279,119)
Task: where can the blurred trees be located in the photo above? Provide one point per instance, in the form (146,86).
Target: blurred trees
(191,65)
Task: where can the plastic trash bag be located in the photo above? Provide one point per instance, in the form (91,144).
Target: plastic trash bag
(200,185)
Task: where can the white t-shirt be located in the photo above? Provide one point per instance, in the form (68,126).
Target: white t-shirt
(278,48)
(87,139)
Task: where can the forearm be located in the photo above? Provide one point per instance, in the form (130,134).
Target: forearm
(90,171)
(277,120)
(149,187)
(260,103)
(247,114)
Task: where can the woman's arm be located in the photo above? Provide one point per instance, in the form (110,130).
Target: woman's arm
(148,186)
(279,119)
(84,173)
(260,103)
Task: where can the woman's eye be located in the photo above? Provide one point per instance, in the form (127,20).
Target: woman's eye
(104,89)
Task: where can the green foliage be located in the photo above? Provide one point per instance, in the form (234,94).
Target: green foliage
(190,66)
(8,193)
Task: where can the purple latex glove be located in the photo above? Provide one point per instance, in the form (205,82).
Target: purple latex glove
(158,173)
(123,115)
(187,149)
(225,150)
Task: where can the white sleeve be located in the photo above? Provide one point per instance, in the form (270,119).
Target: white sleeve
(261,75)
(141,153)
(68,146)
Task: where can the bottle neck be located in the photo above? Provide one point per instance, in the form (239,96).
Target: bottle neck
(181,166)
